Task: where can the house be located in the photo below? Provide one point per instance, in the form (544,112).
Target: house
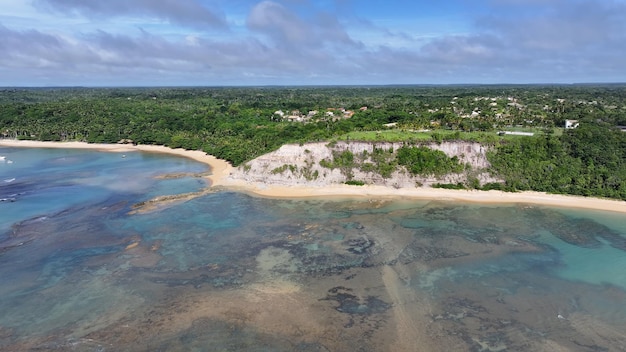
(515,133)
(569,124)
(294,118)
(622,128)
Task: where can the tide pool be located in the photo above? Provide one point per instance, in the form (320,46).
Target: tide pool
(231,272)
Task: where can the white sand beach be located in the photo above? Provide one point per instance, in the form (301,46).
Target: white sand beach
(222,170)
(219,168)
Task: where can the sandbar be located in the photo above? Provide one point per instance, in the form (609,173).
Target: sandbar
(221,171)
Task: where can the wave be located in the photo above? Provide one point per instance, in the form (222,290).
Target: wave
(9,180)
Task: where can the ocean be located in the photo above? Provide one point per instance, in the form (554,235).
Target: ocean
(84,267)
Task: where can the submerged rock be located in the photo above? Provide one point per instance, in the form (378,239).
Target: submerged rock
(351,304)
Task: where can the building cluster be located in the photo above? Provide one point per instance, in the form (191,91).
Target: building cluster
(330,113)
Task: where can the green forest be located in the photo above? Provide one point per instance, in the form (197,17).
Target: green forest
(240,123)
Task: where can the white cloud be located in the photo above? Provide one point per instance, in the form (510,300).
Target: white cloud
(286,29)
(279,23)
(186,13)
(302,42)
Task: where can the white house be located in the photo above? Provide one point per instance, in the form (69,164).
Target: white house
(569,124)
(515,133)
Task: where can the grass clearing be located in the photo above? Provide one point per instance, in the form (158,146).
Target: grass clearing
(400,135)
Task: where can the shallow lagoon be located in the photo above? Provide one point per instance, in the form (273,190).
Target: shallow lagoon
(231,272)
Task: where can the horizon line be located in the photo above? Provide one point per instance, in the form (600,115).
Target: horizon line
(314,85)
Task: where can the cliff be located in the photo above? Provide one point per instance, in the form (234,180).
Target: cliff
(314,164)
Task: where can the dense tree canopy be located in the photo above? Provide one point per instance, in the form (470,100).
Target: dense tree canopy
(426,161)
(588,161)
(239,124)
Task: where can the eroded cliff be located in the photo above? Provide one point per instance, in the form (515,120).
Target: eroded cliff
(316,164)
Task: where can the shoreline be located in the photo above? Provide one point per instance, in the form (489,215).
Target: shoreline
(221,170)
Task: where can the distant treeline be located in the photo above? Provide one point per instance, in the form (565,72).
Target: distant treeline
(239,124)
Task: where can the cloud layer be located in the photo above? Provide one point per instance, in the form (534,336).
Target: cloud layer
(189,13)
(193,42)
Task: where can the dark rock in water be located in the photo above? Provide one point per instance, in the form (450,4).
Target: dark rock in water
(579,232)
(615,240)
(440,213)
(359,245)
(418,252)
(323,262)
(14,190)
(351,304)
(225,275)
(598,230)
(353,225)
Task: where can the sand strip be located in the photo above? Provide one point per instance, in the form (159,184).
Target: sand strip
(473,196)
(222,169)
(219,168)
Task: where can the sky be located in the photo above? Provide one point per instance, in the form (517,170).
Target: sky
(306,42)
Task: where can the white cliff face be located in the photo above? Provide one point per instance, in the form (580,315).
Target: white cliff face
(300,165)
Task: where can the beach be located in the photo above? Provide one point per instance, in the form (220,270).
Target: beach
(219,168)
(222,171)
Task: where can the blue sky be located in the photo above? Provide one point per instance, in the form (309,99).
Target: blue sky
(305,42)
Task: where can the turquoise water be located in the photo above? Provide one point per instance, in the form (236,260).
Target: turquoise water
(231,272)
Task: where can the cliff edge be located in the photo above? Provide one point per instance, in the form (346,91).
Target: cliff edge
(373,163)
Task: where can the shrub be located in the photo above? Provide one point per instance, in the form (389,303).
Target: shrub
(355,183)
(449,185)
